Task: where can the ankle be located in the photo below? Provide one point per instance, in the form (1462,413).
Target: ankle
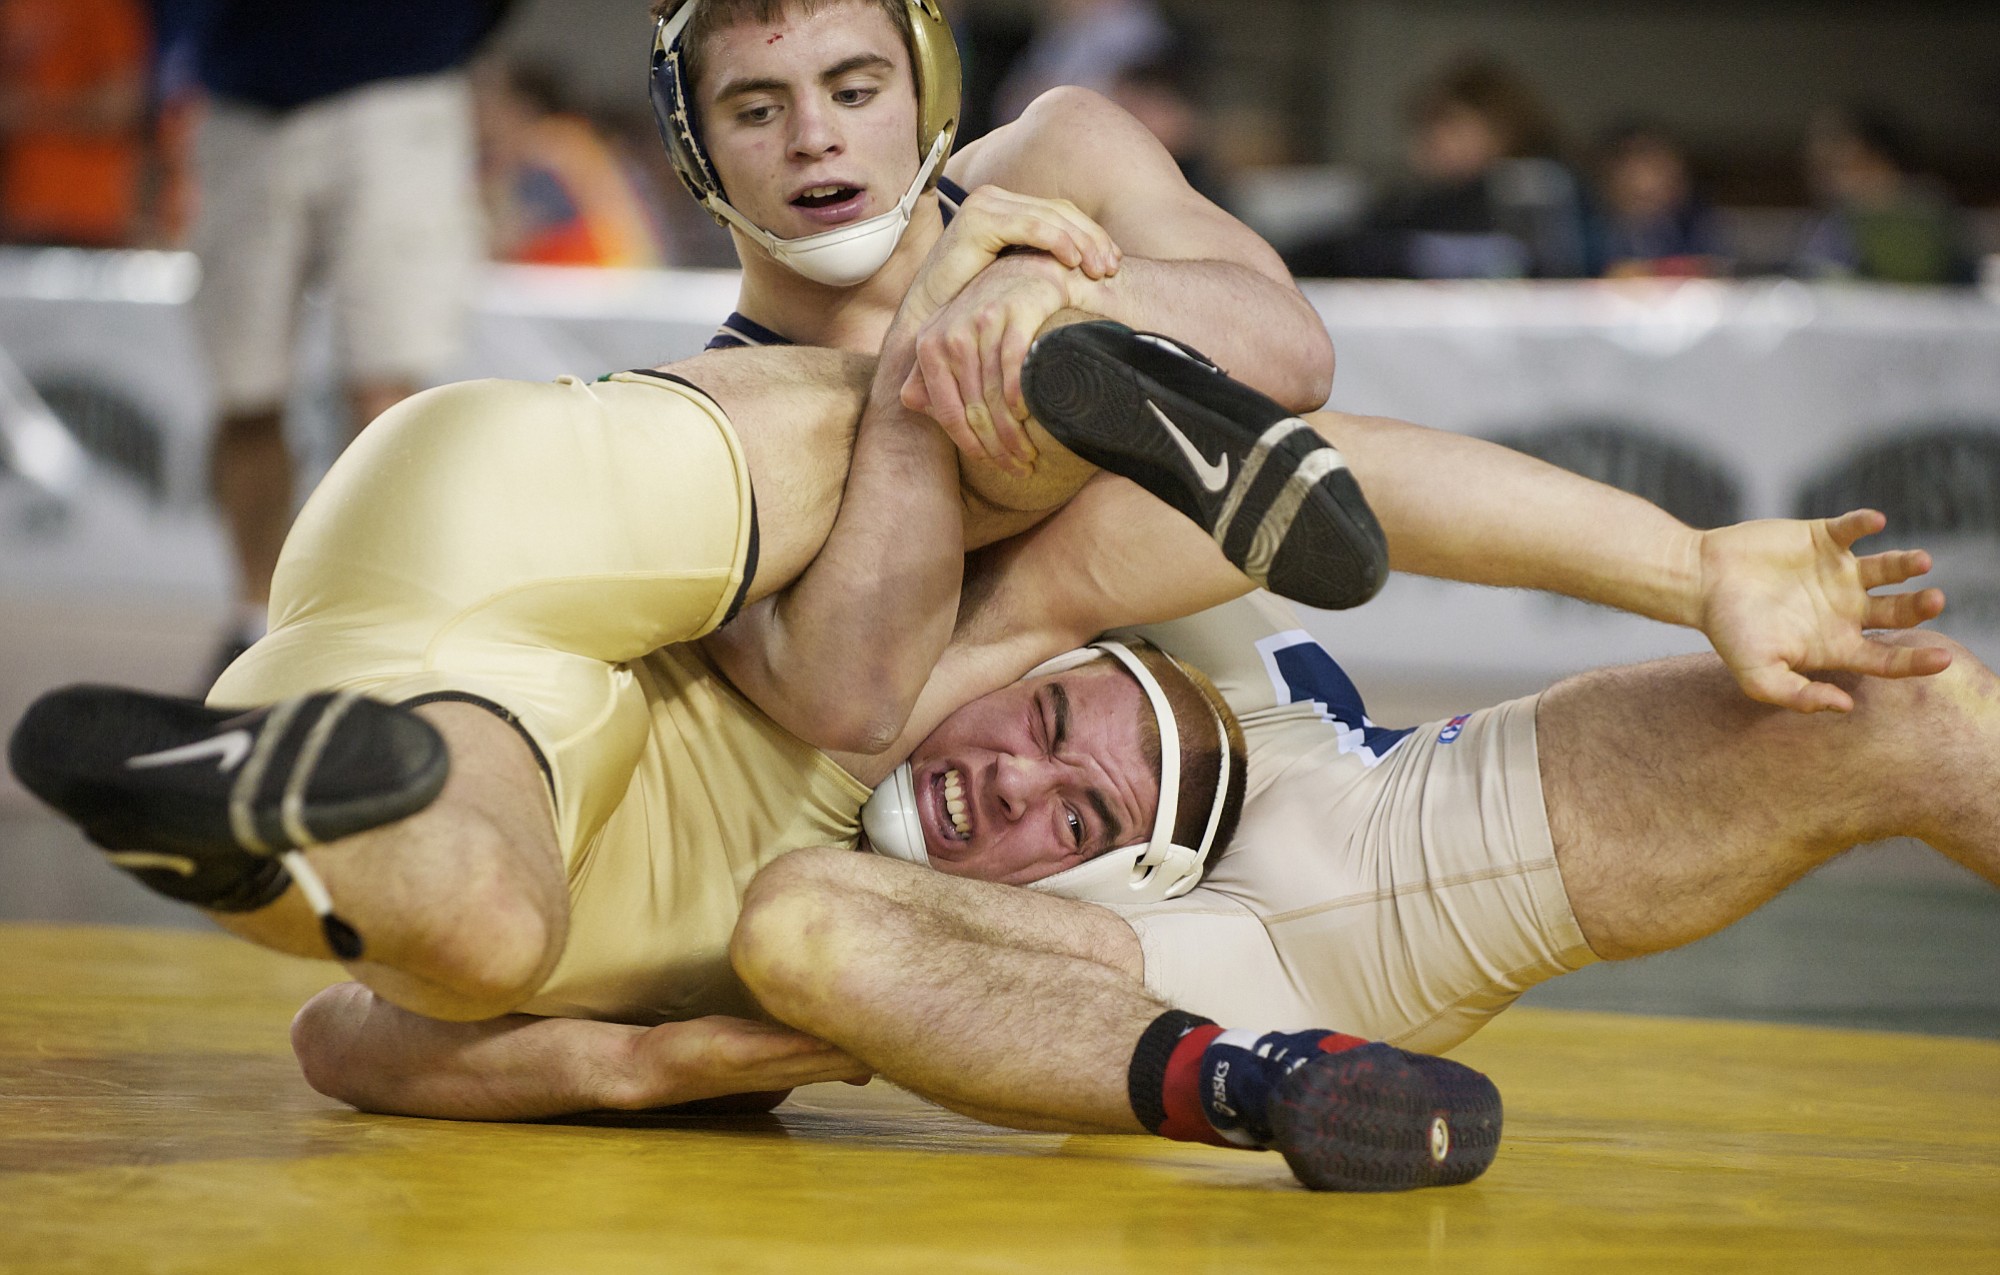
(1191,1081)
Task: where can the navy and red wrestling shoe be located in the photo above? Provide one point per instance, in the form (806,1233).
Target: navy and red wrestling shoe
(1378,1118)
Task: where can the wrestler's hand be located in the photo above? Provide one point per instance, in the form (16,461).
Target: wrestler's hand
(1782,599)
(716,1057)
(967,373)
(989,222)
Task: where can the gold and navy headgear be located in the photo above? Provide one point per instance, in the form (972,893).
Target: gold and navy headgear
(933,60)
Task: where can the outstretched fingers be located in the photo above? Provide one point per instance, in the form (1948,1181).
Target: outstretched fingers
(1889,659)
(1855,524)
(1784,687)
(1893,567)
(1902,610)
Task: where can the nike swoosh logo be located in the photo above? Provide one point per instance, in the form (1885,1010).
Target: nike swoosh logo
(1213,475)
(146,860)
(228,750)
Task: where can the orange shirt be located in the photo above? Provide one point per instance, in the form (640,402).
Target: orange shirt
(608,225)
(64,180)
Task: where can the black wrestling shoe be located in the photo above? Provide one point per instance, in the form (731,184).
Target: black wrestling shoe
(1275,495)
(211,806)
(1378,1118)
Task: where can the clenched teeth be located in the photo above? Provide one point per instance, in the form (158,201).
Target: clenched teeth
(954,802)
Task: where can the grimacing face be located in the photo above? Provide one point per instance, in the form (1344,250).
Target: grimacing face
(810,121)
(1038,776)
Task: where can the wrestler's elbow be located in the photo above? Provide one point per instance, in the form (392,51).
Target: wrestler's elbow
(845,726)
(322,1041)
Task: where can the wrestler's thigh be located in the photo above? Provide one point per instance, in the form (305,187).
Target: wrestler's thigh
(452,889)
(794,409)
(1678,804)
(964,909)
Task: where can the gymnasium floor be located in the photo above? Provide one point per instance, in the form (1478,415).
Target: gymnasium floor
(151,1119)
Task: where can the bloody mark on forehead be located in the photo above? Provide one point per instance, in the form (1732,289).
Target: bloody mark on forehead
(776,36)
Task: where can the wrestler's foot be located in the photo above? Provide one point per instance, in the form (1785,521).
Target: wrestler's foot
(211,806)
(1276,497)
(1378,1118)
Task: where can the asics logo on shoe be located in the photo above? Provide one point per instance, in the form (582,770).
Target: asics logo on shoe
(228,749)
(1212,475)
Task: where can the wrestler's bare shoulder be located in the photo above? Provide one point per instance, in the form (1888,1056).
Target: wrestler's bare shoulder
(1069,144)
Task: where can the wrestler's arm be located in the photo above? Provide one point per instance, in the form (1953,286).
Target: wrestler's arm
(359,1049)
(839,654)
(1031,596)
(1188,269)
(1778,599)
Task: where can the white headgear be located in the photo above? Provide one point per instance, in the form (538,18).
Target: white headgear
(845,255)
(1156,869)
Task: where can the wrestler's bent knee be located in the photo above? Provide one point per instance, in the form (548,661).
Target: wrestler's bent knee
(490,941)
(798,938)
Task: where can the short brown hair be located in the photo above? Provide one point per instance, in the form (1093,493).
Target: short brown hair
(712,16)
(1197,706)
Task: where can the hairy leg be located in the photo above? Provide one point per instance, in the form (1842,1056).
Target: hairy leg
(463,906)
(795,410)
(1679,806)
(1009,1006)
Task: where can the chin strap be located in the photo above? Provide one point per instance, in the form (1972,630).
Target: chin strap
(845,255)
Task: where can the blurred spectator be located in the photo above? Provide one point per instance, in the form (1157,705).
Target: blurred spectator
(1650,220)
(689,237)
(72,120)
(1088,43)
(1487,199)
(556,192)
(1881,220)
(337,149)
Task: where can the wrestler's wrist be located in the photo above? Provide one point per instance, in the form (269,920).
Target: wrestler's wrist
(1695,575)
(625,1075)
(1023,261)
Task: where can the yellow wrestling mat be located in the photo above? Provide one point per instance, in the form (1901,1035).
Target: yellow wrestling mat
(151,1119)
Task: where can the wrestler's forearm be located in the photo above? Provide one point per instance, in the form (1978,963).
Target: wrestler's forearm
(360,1049)
(1464,509)
(853,639)
(1259,329)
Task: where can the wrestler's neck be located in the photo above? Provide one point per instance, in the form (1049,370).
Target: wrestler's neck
(856,318)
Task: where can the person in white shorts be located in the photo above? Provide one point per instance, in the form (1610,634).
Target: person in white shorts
(336,151)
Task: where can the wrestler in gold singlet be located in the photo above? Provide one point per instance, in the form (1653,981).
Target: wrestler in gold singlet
(542,549)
